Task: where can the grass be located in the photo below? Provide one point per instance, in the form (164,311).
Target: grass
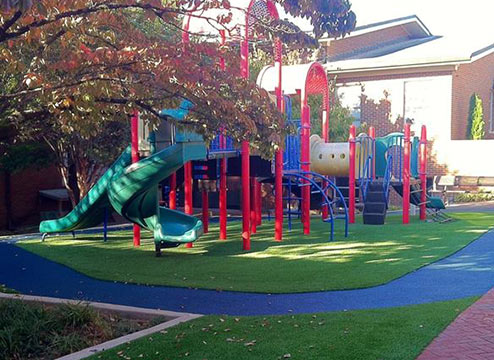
(394,333)
(34,331)
(372,255)
(6,290)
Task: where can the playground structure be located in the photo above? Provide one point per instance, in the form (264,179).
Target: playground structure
(131,189)
(307,166)
(300,82)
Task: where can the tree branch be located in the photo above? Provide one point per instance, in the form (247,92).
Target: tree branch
(58,87)
(79,12)
(8,24)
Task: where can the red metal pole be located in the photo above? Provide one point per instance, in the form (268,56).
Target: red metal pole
(188,166)
(223,205)
(223,197)
(406,176)
(351,175)
(188,192)
(205,211)
(244,59)
(254,206)
(223,209)
(423,173)
(173,191)
(134,128)
(278,182)
(372,135)
(278,192)
(259,203)
(325,125)
(244,71)
(305,163)
(278,159)
(325,136)
(223,41)
(245,195)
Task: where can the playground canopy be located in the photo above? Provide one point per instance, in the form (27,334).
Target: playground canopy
(309,79)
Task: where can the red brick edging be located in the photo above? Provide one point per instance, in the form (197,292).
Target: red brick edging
(469,337)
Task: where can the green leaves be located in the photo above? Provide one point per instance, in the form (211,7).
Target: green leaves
(476,123)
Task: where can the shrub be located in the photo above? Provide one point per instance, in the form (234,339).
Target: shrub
(476,124)
(474,197)
(34,331)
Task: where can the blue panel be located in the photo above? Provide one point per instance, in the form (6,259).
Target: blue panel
(215,145)
(291,155)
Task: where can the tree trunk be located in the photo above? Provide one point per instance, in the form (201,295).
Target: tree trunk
(68,183)
(73,184)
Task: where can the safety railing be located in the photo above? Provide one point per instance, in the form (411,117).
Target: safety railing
(387,177)
(322,186)
(366,146)
(365,177)
(394,148)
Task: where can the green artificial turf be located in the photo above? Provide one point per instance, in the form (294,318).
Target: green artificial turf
(394,333)
(372,255)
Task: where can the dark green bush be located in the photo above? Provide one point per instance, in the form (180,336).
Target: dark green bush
(34,331)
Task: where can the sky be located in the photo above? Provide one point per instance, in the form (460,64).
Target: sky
(471,23)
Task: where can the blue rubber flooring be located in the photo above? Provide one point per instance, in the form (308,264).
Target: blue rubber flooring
(469,272)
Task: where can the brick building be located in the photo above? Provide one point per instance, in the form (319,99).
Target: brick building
(25,197)
(397,71)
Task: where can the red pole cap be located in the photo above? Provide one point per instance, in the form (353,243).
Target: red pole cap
(353,132)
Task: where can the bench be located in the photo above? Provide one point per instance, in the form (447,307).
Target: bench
(446,186)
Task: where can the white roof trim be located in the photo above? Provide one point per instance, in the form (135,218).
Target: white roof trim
(479,56)
(373,64)
(392,67)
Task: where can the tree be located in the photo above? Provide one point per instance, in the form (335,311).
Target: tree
(476,124)
(79,66)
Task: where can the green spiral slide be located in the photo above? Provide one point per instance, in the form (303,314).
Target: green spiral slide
(132,190)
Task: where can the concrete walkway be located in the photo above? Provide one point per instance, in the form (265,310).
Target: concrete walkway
(469,272)
(469,337)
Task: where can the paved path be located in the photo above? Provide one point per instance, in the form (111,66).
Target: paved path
(469,272)
(469,337)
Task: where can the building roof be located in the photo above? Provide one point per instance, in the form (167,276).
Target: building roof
(426,50)
(412,23)
(381,49)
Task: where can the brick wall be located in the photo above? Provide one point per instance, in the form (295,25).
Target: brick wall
(368,40)
(383,103)
(476,77)
(25,186)
(377,113)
